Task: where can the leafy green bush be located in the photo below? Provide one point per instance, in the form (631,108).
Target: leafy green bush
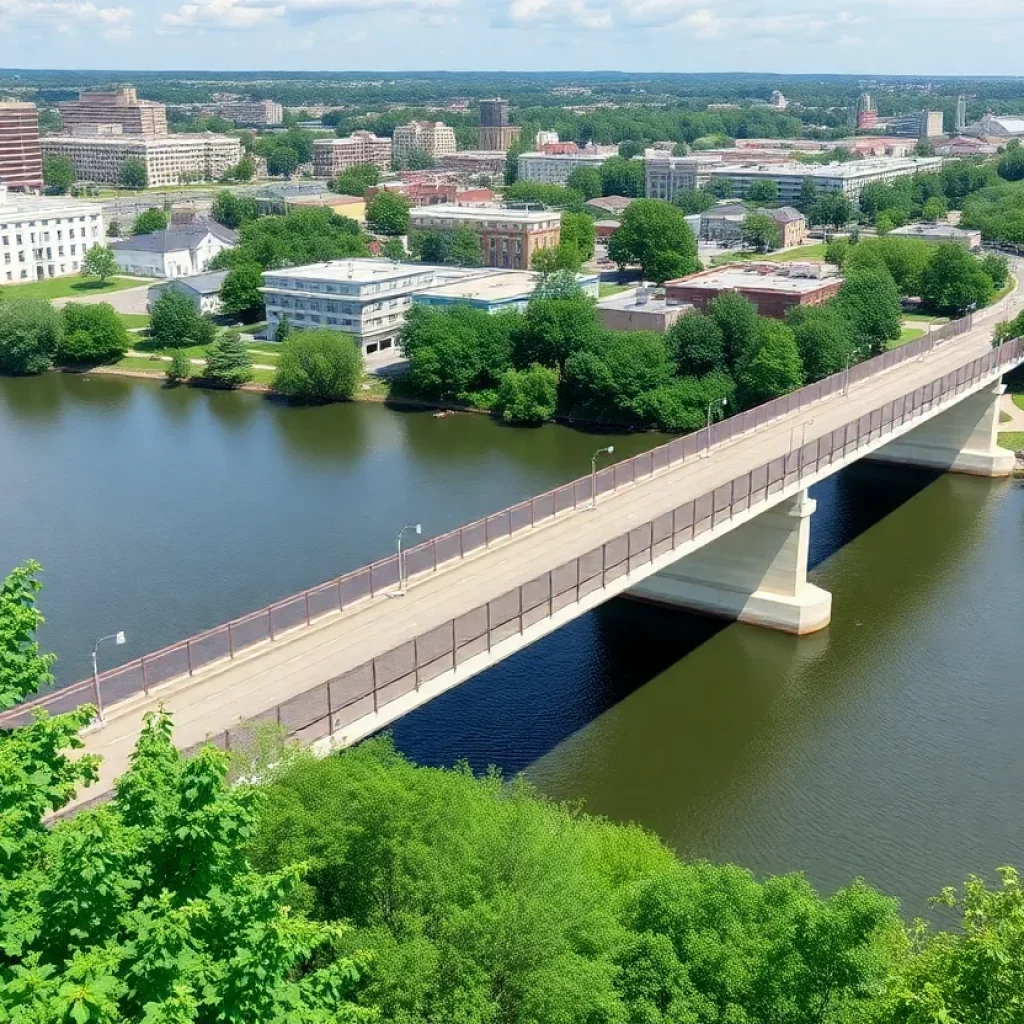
(319,366)
(93,333)
(30,333)
(528,396)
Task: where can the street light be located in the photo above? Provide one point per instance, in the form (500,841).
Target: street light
(401,558)
(119,638)
(610,450)
(721,404)
(803,443)
(849,362)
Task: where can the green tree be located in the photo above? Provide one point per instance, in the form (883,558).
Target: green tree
(228,362)
(30,333)
(176,323)
(629,148)
(149,221)
(998,269)
(562,257)
(394,249)
(655,235)
(622,177)
(179,369)
(1011,164)
(282,161)
(870,302)
(554,328)
(134,174)
(836,252)
(465,250)
(416,160)
(100,262)
(387,213)
(697,344)
(92,333)
(545,194)
(831,209)
(319,366)
(233,210)
(240,294)
(58,175)
(904,258)
(760,232)
(694,200)
(738,321)
(775,367)
(586,181)
(578,232)
(954,282)
(934,209)
(314,235)
(720,188)
(765,193)
(824,338)
(355,180)
(244,170)
(528,396)
(681,406)
(808,194)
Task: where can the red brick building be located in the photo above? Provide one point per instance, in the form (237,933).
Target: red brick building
(772,287)
(21,159)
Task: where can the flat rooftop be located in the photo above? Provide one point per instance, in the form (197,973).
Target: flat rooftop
(849,169)
(367,271)
(498,287)
(20,205)
(496,214)
(754,276)
(627,303)
(934,230)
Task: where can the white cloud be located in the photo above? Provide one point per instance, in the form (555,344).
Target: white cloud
(60,15)
(250,14)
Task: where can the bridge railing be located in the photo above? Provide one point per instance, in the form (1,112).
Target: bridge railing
(233,638)
(333,706)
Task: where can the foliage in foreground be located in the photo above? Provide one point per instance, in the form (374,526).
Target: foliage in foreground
(319,366)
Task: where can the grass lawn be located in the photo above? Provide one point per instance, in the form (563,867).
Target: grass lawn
(135,321)
(64,287)
(260,353)
(604,289)
(1012,439)
(158,368)
(251,328)
(908,334)
(924,318)
(803,252)
(1018,400)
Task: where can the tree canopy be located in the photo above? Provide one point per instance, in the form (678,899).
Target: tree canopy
(655,235)
(30,332)
(149,221)
(319,366)
(387,213)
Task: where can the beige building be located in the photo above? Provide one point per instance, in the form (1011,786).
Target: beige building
(667,175)
(123,107)
(489,163)
(332,156)
(21,160)
(435,138)
(639,309)
(168,159)
(254,113)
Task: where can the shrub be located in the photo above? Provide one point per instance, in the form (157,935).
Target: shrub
(319,366)
(179,368)
(528,396)
(93,333)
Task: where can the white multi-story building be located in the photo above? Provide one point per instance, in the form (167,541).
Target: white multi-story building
(669,175)
(555,168)
(434,138)
(544,138)
(42,237)
(332,156)
(168,159)
(850,177)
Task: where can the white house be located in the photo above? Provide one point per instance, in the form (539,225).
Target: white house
(179,252)
(202,289)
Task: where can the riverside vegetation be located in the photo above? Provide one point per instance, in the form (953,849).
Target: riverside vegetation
(361,888)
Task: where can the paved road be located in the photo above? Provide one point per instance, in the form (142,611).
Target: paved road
(128,300)
(259,680)
(1016,414)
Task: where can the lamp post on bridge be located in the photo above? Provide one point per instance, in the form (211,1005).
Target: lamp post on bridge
(803,443)
(849,363)
(119,638)
(610,450)
(712,405)
(401,558)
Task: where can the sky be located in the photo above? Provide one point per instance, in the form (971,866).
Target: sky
(926,37)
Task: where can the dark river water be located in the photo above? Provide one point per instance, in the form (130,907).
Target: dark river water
(888,746)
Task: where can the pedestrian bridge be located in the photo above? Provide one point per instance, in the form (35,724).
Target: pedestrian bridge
(717,521)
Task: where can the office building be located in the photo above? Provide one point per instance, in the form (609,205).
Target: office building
(123,107)
(640,309)
(42,237)
(168,159)
(494,291)
(773,288)
(487,163)
(939,233)
(508,237)
(251,113)
(778,101)
(555,168)
(667,176)
(923,124)
(181,252)
(21,158)
(332,156)
(434,138)
(496,131)
(202,290)
(961,114)
(850,177)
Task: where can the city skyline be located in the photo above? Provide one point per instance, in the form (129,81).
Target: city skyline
(796,37)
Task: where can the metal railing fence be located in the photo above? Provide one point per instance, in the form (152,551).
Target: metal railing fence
(228,639)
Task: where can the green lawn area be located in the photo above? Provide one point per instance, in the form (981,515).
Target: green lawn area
(1018,400)
(1012,439)
(251,328)
(604,289)
(260,353)
(803,252)
(134,321)
(908,334)
(64,287)
(924,318)
(158,367)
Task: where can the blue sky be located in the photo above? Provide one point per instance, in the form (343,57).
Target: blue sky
(786,36)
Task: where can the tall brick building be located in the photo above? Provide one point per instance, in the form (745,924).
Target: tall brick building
(21,159)
(123,107)
(496,132)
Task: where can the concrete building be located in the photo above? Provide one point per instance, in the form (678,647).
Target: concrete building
(494,291)
(961,114)
(173,253)
(42,237)
(21,158)
(555,168)
(332,156)
(543,138)
(850,177)
(724,223)
(611,206)
(867,114)
(639,309)
(772,287)
(485,163)
(778,101)
(508,237)
(202,289)
(992,127)
(938,233)
(443,189)
(667,176)
(353,207)
(496,131)
(168,159)
(123,107)
(966,145)
(922,124)
(434,138)
(251,113)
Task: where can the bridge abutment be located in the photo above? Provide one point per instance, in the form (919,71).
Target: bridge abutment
(756,573)
(962,439)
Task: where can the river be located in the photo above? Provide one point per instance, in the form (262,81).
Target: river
(887,746)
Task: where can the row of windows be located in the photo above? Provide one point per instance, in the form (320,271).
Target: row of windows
(51,271)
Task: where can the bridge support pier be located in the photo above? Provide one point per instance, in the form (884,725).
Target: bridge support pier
(960,440)
(756,573)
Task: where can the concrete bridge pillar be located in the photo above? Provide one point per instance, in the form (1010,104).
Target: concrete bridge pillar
(756,573)
(960,440)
